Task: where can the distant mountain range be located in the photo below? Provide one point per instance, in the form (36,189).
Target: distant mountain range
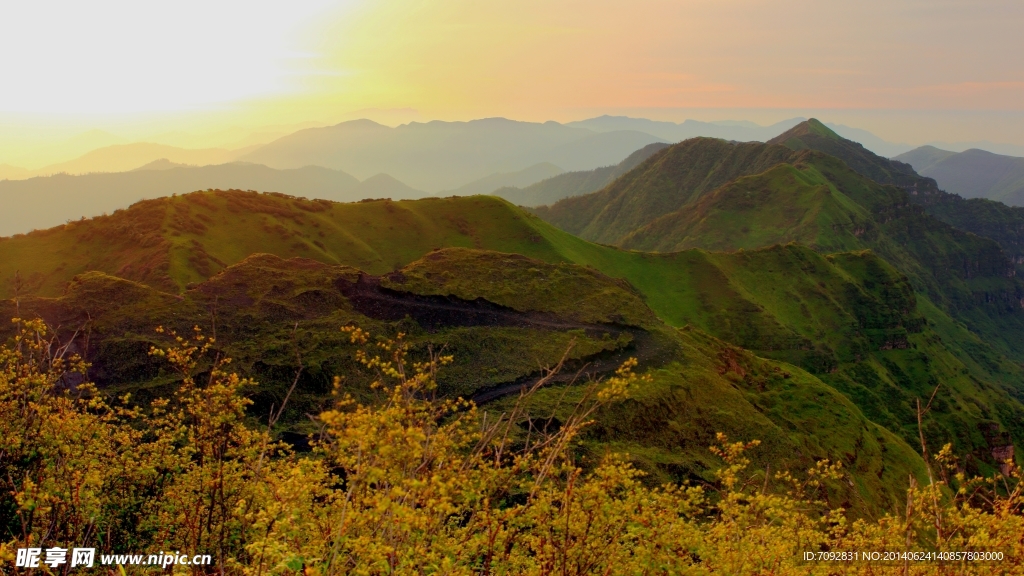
(439,156)
(672,132)
(530,164)
(524,177)
(42,202)
(972,173)
(739,131)
(570,184)
(434,156)
(124,157)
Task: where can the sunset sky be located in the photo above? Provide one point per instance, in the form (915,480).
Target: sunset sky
(909,70)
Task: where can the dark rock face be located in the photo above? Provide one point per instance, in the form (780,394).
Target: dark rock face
(1003,454)
(371,299)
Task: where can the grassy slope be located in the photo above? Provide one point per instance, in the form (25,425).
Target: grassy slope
(792,304)
(829,315)
(813,135)
(782,204)
(960,272)
(171,242)
(817,200)
(1002,223)
(789,302)
(264,307)
(667,423)
(522,284)
(664,183)
(268,308)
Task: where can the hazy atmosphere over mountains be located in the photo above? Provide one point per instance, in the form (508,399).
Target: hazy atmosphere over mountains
(409,161)
(972,173)
(341,287)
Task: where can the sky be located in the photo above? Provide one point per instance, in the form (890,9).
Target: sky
(220,73)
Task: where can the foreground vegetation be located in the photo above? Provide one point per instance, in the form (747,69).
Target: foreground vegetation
(416,484)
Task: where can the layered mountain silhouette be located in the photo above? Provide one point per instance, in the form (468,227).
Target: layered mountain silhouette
(524,177)
(924,157)
(437,156)
(124,157)
(578,183)
(42,202)
(804,291)
(972,173)
(740,131)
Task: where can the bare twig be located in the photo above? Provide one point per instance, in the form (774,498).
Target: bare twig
(273,417)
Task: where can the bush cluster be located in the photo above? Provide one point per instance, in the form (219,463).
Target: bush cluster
(417,484)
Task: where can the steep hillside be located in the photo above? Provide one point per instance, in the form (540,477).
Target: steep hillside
(1004,224)
(820,202)
(664,183)
(814,135)
(783,204)
(553,189)
(973,174)
(850,320)
(269,311)
(676,200)
(436,156)
(171,242)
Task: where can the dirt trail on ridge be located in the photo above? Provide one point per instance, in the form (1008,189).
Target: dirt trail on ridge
(371,299)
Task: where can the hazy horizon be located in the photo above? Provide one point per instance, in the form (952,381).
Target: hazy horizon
(33,149)
(233,74)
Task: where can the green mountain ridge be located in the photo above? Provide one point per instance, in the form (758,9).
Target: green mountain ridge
(712,194)
(266,308)
(664,183)
(846,326)
(43,202)
(783,204)
(994,220)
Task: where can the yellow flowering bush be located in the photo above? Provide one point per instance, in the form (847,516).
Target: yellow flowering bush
(417,484)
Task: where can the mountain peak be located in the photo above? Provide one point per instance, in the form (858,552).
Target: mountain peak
(809,127)
(161,164)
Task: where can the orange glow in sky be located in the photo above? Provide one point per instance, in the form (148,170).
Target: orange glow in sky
(205,66)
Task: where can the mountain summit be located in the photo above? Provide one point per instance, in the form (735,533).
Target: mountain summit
(808,186)
(994,220)
(807,128)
